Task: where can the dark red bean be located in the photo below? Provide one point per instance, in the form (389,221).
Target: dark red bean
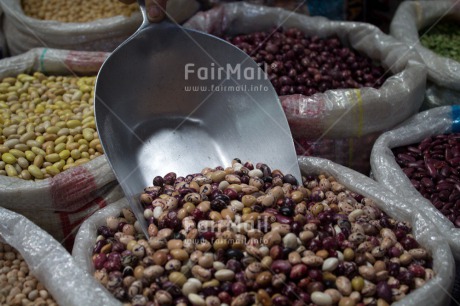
(239,288)
(444,195)
(414,150)
(444,186)
(281,300)
(283,219)
(457,221)
(281,266)
(300,53)
(406,157)
(384,291)
(427,182)
(431,170)
(416,164)
(298,271)
(454,161)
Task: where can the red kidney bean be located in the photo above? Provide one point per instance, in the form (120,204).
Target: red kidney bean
(432,166)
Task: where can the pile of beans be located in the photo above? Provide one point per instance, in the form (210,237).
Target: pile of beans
(296,64)
(433,167)
(443,39)
(247,235)
(76,10)
(46,125)
(17,286)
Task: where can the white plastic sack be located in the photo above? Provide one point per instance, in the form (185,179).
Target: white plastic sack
(443,73)
(353,152)
(435,292)
(24,33)
(58,204)
(3,49)
(51,263)
(385,170)
(335,114)
(86,237)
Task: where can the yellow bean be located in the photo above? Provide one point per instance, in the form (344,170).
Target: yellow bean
(23,162)
(4,149)
(40,139)
(64,154)
(88,118)
(60,164)
(22,147)
(63,131)
(71,124)
(52,170)
(78,12)
(94,143)
(32,143)
(47,144)
(90,124)
(83,148)
(25,175)
(99,149)
(59,148)
(49,149)
(61,139)
(88,134)
(38,160)
(83,142)
(76,154)
(72,146)
(52,130)
(52,158)
(9,158)
(38,151)
(68,166)
(46,121)
(17,153)
(10,170)
(81,161)
(35,171)
(61,125)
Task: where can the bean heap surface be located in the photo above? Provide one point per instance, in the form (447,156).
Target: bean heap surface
(296,64)
(443,39)
(433,167)
(247,235)
(76,10)
(47,125)
(17,286)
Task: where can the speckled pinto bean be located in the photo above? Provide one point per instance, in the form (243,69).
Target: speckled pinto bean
(298,248)
(17,285)
(433,167)
(47,125)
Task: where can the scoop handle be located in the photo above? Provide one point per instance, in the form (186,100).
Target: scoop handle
(146,21)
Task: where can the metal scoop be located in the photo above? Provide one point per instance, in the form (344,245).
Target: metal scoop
(170,99)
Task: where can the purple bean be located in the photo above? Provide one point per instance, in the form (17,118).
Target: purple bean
(384,291)
(281,266)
